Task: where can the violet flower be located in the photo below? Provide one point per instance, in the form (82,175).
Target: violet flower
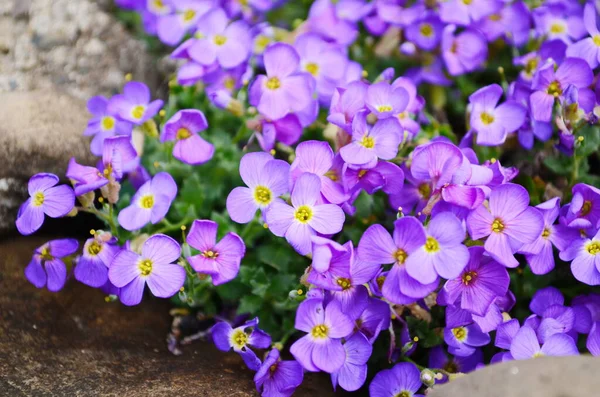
(588,48)
(370,143)
(276,377)
(427,33)
(463,340)
(104,123)
(525,345)
(134,104)
(240,339)
(585,264)
(374,319)
(47,268)
(384,100)
(584,209)
(184,128)
(353,373)
(464,13)
(438,358)
(131,271)
(173,26)
(219,260)
(45,198)
(91,267)
(404,379)
(346,103)
(464,52)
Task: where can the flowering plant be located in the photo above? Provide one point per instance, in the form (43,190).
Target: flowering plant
(400,191)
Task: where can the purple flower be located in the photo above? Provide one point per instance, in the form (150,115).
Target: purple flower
(493,123)
(404,379)
(284,89)
(593,340)
(346,103)
(131,271)
(525,345)
(266,178)
(317,157)
(584,209)
(150,203)
(216,40)
(463,340)
(383,175)
(442,254)
(240,339)
(44,198)
(374,319)
(336,21)
(98,252)
(378,247)
(584,254)
(462,12)
(464,52)
(353,373)
(47,268)
(330,263)
(220,260)
(549,84)
(183,128)
(174,25)
(509,224)
(104,123)
(480,283)
(588,48)
(427,33)
(134,104)
(277,378)
(385,101)
(439,359)
(321,349)
(305,217)
(370,143)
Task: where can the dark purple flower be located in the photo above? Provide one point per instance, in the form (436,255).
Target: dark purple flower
(439,359)
(404,379)
(45,198)
(91,267)
(47,268)
(277,378)
(374,319)
(184,128)
(584,210)
(463,340)
(240,339)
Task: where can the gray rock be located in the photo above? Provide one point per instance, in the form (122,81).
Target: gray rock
(541,377)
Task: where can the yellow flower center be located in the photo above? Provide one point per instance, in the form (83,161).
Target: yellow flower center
(468,277)
(188,15)
(239,339)
(361,173)
(219,39)
(38,199)
(380,280)
(557,28)
(94,248)
(460,333)
(107,171)
(586,207)
(554,89)
(320,331)
(546,233)
(108,123)
(467,2)
(384,108)
(138,112)
(497,225)
(183,133)
(531,65)
(344,283)
(402,116)
(229,83)
(400,256)
(451,366)
(312,68)
(425,190)
(403,393)
(262,195)
(487,118)
(145,266)
(495,17)
(367,142)
(333,175)
(261,43)
(538,355)
(303,214)
(46,255)
(210,254)
(596,39)
(147,201)
(426,29)
(593,248)
(273,83)
(432,245)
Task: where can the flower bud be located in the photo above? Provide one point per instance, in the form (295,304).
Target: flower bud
(87,200)
(428,377)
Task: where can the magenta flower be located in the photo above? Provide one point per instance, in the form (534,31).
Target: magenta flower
(464,52)
(266,178)
(131,271)
(45,198)
(442,254)
(150,203)
(276,377)
(549,84)
(218,41)
(370,143)
(219,260)
(509,224)
(482,281)
(346,103)
(378,247)
(183,128)
(321,349)
(493,123)
(47,268)
(525,345)
(104,123)
(385,101)
(174,23)
(584,254)
(240,339)
(404,379)
(305,217)
(134,104)
(353,373)
(588,48)
(91,267)
(284,89)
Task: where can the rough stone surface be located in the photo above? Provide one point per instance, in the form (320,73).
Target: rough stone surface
(541,377)
(72,343)
(73,44)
